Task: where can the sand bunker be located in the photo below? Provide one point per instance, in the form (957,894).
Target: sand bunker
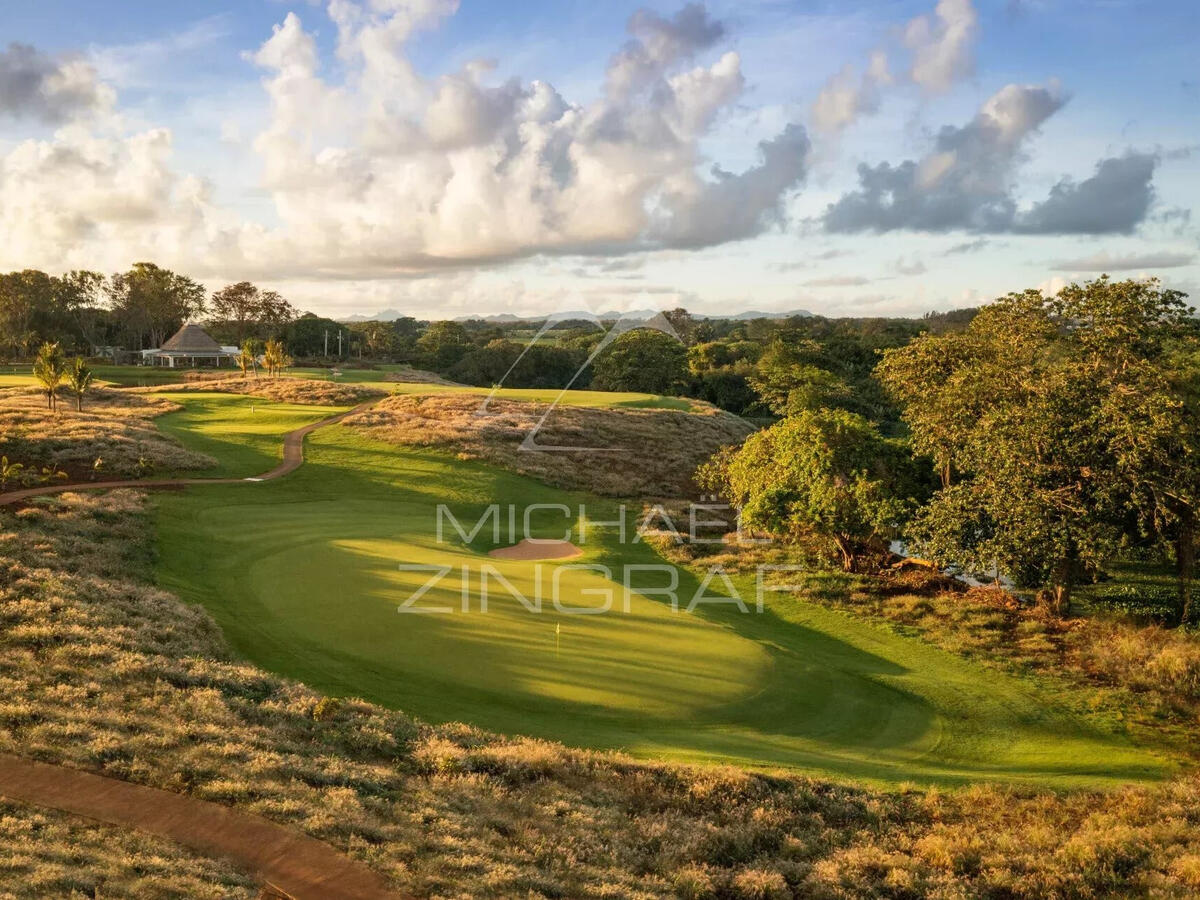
(531,550)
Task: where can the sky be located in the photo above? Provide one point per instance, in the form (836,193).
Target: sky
(440,158)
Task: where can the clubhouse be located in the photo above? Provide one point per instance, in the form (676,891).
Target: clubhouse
(190,347)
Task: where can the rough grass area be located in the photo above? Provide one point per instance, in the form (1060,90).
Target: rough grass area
(641,452)
(406,375)
(305,391)
(48,854)
(115,427)
(100,671)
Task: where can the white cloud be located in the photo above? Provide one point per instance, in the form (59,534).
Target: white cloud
(942,45)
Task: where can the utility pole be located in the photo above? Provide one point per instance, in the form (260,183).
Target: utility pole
(339,344)
(327,343)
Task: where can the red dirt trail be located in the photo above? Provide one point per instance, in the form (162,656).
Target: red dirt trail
(301,866)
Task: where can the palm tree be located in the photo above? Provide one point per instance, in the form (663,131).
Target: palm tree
(8,471)
(246,360)
(49,369)
(275,358)
(79,379)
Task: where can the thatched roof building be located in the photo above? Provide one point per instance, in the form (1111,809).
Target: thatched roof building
(192,346)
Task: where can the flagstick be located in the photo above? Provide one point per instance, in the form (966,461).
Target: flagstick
(557,630)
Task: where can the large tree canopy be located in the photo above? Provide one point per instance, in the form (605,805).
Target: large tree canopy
(1057,425)
(642,360)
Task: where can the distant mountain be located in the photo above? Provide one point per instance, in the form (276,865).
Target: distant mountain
(388,315)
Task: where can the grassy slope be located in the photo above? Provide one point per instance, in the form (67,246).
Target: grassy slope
(244,434)
(302,574)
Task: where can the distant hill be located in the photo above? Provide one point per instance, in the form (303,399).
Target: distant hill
(387,315)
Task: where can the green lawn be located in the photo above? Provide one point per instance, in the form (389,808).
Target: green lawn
(303,575)
(245,434)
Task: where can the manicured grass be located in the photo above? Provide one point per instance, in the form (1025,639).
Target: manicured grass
(245,434)
(304,576)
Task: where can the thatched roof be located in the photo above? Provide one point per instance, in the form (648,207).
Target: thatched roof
(191,339)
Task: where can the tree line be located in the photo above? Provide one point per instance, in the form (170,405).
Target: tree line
(1041,440)
(136,310)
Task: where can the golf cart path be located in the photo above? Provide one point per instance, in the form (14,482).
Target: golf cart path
(302,867)
(293,458)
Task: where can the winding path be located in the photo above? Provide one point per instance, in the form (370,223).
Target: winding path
(300,866)
(293,458)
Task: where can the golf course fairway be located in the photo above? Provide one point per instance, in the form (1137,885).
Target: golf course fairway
(304,576)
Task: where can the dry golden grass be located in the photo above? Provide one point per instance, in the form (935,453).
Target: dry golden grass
(646,453)
(48,854)
(98,670)
(115,426)
(420,376)
(312,392)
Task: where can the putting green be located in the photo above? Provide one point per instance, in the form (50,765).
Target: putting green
(304,575)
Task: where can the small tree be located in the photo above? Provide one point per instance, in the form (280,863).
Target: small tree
(9,471)
(247,360)
(79,380)
(49,368)
(825,473)
(275,357)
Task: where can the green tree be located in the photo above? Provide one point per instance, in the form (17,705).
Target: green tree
(641,360)
(49,368)
(152,303)
(788,378)
(443,344)
(826,474)
(79,380)
(1056,428)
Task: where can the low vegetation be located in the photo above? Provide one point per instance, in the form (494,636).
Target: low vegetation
(101,671)
(113,437)
(666,444)
(48,854)
(280,389)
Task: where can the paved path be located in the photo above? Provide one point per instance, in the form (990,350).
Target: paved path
(293,458)
(303,867)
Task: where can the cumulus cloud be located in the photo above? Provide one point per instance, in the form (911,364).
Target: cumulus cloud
(963,183)
(456,171)
(1115,199)
(1121,262)
(966,182)
(377,170)
(846,96)
(50,89)
(941,47)
(942,44)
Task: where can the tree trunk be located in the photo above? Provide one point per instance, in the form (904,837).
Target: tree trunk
(1185,564)
(1062,579)
(847,550)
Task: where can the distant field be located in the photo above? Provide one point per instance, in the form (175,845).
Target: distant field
(303,575)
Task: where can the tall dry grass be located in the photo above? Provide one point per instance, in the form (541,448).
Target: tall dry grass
(100,670)
(114,427)
(308,391)
(644,453)
(46,854)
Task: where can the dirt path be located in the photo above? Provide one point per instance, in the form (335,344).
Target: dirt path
(293,458)
(303,867)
